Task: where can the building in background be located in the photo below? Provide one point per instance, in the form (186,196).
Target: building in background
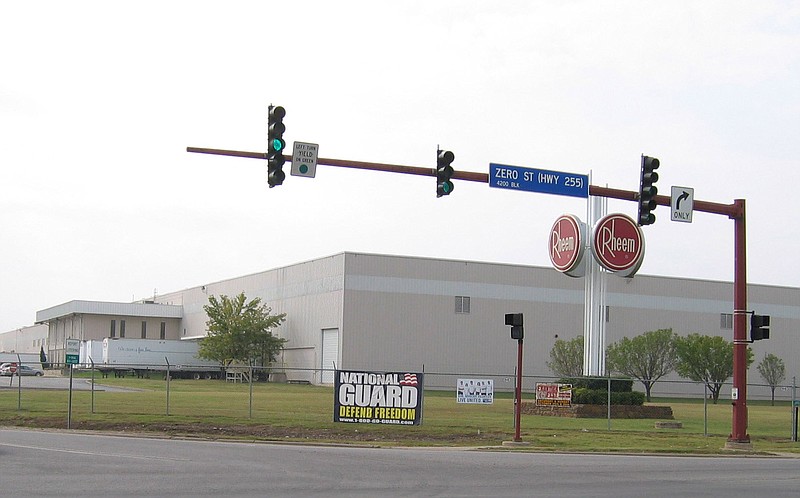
(444,317)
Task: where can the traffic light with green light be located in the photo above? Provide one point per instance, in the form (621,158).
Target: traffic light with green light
(648,190)
(444,171)
(275,160)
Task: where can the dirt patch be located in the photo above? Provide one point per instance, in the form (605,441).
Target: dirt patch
(348,433)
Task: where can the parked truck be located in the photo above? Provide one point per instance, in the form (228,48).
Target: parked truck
(150,355)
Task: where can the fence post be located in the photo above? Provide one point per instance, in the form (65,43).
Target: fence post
(168,376)
(705,409)
(91,360)
(19,383)
(609,400)
(794,409)
(250,415)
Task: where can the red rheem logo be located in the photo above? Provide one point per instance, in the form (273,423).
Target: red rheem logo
(618,244)
(566,245)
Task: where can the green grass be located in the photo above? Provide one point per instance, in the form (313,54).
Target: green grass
(303,413)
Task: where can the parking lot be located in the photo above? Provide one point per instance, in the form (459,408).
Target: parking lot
(56,382)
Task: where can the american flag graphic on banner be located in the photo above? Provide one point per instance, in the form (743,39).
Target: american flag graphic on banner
(409,379)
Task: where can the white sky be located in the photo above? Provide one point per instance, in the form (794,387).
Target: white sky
(99,199)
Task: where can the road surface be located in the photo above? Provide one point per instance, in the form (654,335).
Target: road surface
(62,463)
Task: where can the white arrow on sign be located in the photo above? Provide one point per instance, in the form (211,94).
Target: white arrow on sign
(682,204)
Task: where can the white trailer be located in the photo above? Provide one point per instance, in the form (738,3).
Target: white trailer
(91,353)
(144,355)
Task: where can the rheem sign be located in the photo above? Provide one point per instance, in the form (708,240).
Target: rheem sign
(566,245)
(618,244)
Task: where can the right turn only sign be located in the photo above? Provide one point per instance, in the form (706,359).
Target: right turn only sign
(682,204)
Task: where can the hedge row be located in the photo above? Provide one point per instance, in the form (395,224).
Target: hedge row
(584,396)
(599,384)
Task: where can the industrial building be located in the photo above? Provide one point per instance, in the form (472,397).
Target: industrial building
(443,317)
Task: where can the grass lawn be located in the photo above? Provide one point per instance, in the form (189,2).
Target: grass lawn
(213,408)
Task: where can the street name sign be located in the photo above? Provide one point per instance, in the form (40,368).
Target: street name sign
(538,180)
(682,204)
(304,159)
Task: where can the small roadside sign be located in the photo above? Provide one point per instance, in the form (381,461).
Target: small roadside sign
(72,352)
(682,204)
(304,159)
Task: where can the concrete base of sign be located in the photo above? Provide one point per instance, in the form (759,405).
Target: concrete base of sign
(738,446)
(516,443)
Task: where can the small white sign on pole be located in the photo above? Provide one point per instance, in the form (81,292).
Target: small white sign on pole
(304,159)
(682,204)
(72,351)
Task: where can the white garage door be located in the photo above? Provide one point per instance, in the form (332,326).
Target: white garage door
(330,354)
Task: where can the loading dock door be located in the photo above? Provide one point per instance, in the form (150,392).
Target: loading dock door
(330,354)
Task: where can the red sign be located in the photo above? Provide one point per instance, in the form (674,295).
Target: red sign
(553,394)
(566,245)
(618,244)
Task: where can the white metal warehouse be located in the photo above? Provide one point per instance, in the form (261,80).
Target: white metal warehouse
(444,317)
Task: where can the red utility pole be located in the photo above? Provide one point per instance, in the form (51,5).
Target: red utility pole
(735,211)
(518,395)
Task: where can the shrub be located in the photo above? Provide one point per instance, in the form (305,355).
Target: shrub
(599,384)
(588,396)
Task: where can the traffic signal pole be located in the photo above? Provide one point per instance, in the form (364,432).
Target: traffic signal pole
(738,439)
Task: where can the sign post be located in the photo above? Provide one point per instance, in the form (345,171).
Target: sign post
(71,356)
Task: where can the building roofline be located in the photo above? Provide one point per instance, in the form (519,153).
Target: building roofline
(77,307)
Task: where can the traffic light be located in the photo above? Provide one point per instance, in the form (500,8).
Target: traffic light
(648,190)
(444,172)
(275,160)
(759,327)
(515,320)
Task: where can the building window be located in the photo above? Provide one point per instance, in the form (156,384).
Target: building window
(163,334)
(726,321)
(462,304)
(122,328)
(144,329)
(608,313)
(113,328)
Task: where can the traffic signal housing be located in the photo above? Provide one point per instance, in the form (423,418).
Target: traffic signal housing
(275,159)
(759,327)
(648,190)
(515,321)
(444,171)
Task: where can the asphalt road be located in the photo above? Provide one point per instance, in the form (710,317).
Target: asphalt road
(60,463)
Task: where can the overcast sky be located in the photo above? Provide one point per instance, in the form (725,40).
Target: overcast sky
(99,199)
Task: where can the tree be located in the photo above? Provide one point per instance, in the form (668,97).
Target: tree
(566,357)
(773,371)
(241,331)
(707,359)
(646,357)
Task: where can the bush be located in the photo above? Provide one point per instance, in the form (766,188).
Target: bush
(599,384)
(585,396)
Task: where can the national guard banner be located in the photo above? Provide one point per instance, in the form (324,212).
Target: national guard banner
(378,397)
